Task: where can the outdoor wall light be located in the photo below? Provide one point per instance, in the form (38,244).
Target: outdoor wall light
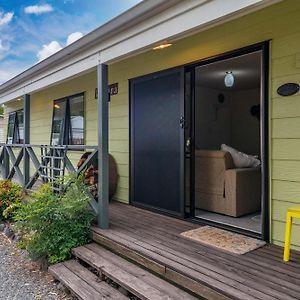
(162,46)
(229,79)
(57,106)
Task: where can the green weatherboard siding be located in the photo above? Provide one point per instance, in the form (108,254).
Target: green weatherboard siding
(280,24)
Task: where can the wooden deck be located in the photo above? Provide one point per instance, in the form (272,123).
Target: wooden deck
(153,241)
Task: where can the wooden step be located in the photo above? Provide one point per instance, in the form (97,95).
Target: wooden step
(82,283)
(171,270)
(134,279)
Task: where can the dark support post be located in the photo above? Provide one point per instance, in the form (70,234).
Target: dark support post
(26,112)
(6,163)
(103,184)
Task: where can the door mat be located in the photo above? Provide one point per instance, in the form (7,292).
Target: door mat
(224,240)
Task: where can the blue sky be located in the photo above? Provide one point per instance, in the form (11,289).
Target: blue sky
(32,30)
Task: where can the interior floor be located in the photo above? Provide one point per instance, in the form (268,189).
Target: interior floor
(251,222)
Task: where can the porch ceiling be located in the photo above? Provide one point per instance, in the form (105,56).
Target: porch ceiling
(135,31)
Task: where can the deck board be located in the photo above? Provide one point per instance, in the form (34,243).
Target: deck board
(221,268)
(262,260)
(154,281)
(260,274)
(231,269)
(139,282)
(82,283)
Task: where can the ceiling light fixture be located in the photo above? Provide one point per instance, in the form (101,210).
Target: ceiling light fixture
(19,99)
(229,79)
(162,46)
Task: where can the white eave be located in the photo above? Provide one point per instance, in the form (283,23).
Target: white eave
(134,31)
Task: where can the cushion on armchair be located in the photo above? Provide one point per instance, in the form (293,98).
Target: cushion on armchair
(240,159)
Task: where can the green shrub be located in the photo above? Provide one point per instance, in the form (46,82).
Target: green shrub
(10,197)
(51,225)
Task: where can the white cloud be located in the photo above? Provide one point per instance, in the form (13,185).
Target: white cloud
(73,37)
(55,46)
(38,9)
(5,18)
(48,50)
(3,49)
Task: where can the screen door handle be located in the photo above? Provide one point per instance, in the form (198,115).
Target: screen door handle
(188,145)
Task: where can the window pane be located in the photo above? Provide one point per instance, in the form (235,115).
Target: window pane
(10,128)
(58,122)
(76,132)
(20,129)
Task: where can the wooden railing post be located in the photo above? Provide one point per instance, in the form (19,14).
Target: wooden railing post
(6,163)
(26,165)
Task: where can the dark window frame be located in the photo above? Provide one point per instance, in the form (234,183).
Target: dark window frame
(66,122)
(16,137)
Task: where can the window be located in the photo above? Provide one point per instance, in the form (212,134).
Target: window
(15,128)
(68,121)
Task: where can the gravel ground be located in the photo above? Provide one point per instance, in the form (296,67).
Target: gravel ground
(21,279)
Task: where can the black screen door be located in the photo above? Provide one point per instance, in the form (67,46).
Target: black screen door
(157,141)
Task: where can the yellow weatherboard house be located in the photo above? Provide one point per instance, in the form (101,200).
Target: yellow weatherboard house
(197,101)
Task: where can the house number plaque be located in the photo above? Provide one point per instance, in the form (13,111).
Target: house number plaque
(113,89)
(288,89)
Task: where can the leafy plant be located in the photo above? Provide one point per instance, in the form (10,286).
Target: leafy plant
(52,225)
(10,197)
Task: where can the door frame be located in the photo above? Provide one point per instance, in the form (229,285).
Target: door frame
(264,48)
(265,138)
(132,201)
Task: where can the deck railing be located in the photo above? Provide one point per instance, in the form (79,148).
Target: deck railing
(30,164)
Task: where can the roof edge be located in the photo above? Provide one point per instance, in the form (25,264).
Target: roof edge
(125,20)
